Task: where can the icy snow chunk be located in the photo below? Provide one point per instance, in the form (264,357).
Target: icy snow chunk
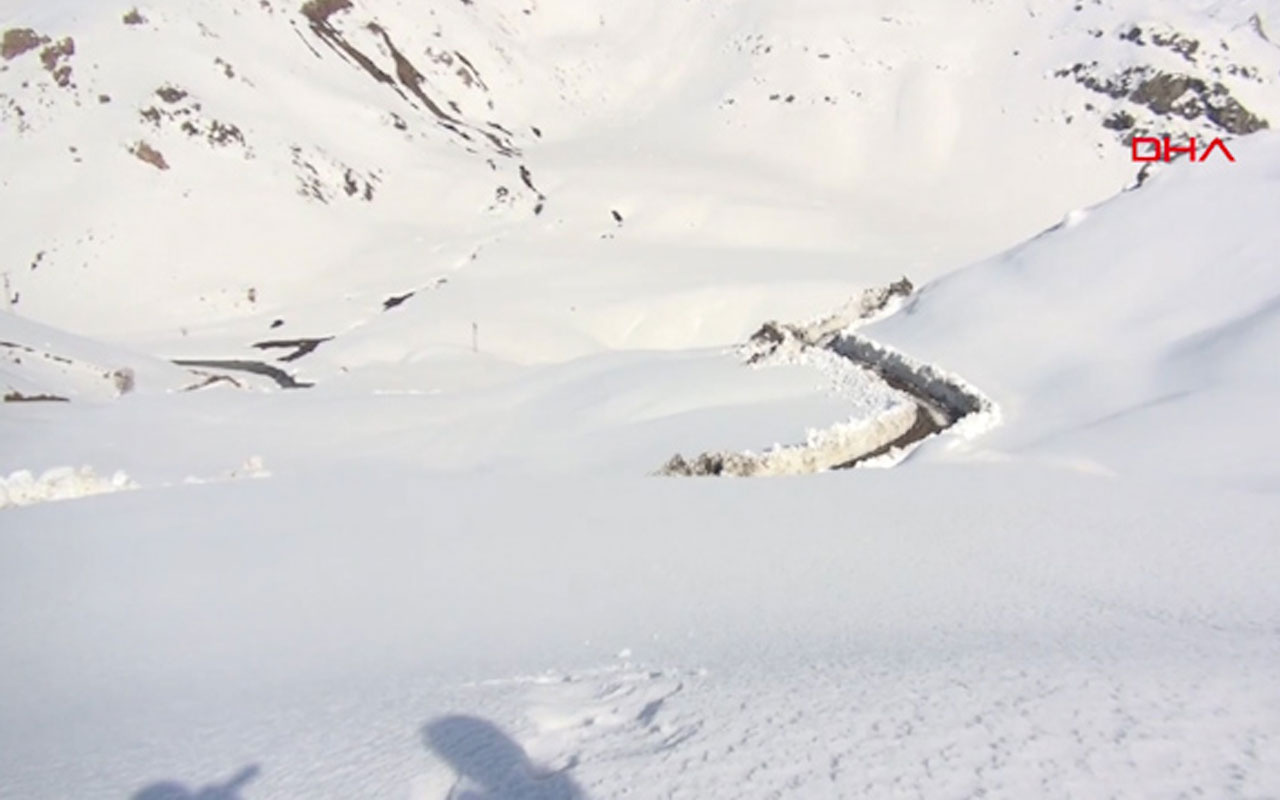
(22,488)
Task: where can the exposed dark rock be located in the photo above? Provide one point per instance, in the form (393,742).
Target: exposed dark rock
(223,134)
(319,11)
(1168,95)
(282,379)
(1134,35)
(710,465)
(1177,43)
(1119,121)
(770,333)
(300,347)
(18,397)
(17,41)
(52,58)
(149,155)
(396,300)
(171,94)
(901,288)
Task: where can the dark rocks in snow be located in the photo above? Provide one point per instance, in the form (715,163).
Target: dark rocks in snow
(710,465)
(300,347)
(1119,121)
(149,155)
(1169,95)
(171,94)
(1179,44)
(770,333)
(396,300)
(18,397)
(902,287)
(282,379)
(319,11)
(53,57)
(1134,35)
(17,41)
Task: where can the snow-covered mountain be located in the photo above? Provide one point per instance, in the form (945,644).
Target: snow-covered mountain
(362,329)
(309,163)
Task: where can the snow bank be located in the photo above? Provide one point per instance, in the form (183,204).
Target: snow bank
(918,400)
(828,448)
(965,409)
(22,488)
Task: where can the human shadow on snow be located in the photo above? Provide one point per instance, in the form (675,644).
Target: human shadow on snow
(490,765)
(171,790)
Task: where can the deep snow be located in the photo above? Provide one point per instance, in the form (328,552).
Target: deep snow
(446,571)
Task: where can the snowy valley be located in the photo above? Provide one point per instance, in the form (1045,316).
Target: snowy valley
(535,399)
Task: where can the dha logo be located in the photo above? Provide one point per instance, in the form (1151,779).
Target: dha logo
(1148,148)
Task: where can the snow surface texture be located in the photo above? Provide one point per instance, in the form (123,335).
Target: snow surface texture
(463,274)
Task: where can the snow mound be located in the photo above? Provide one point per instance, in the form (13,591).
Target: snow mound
(23,488)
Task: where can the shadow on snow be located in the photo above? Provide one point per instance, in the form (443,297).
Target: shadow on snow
(491,766)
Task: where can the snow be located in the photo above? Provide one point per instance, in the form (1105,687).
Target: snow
(1124,320)
(1016,625)
(447,568)
(64,483)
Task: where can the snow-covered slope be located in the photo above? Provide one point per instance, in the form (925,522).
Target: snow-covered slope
(307,163)
(385,314)
(1138,337)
